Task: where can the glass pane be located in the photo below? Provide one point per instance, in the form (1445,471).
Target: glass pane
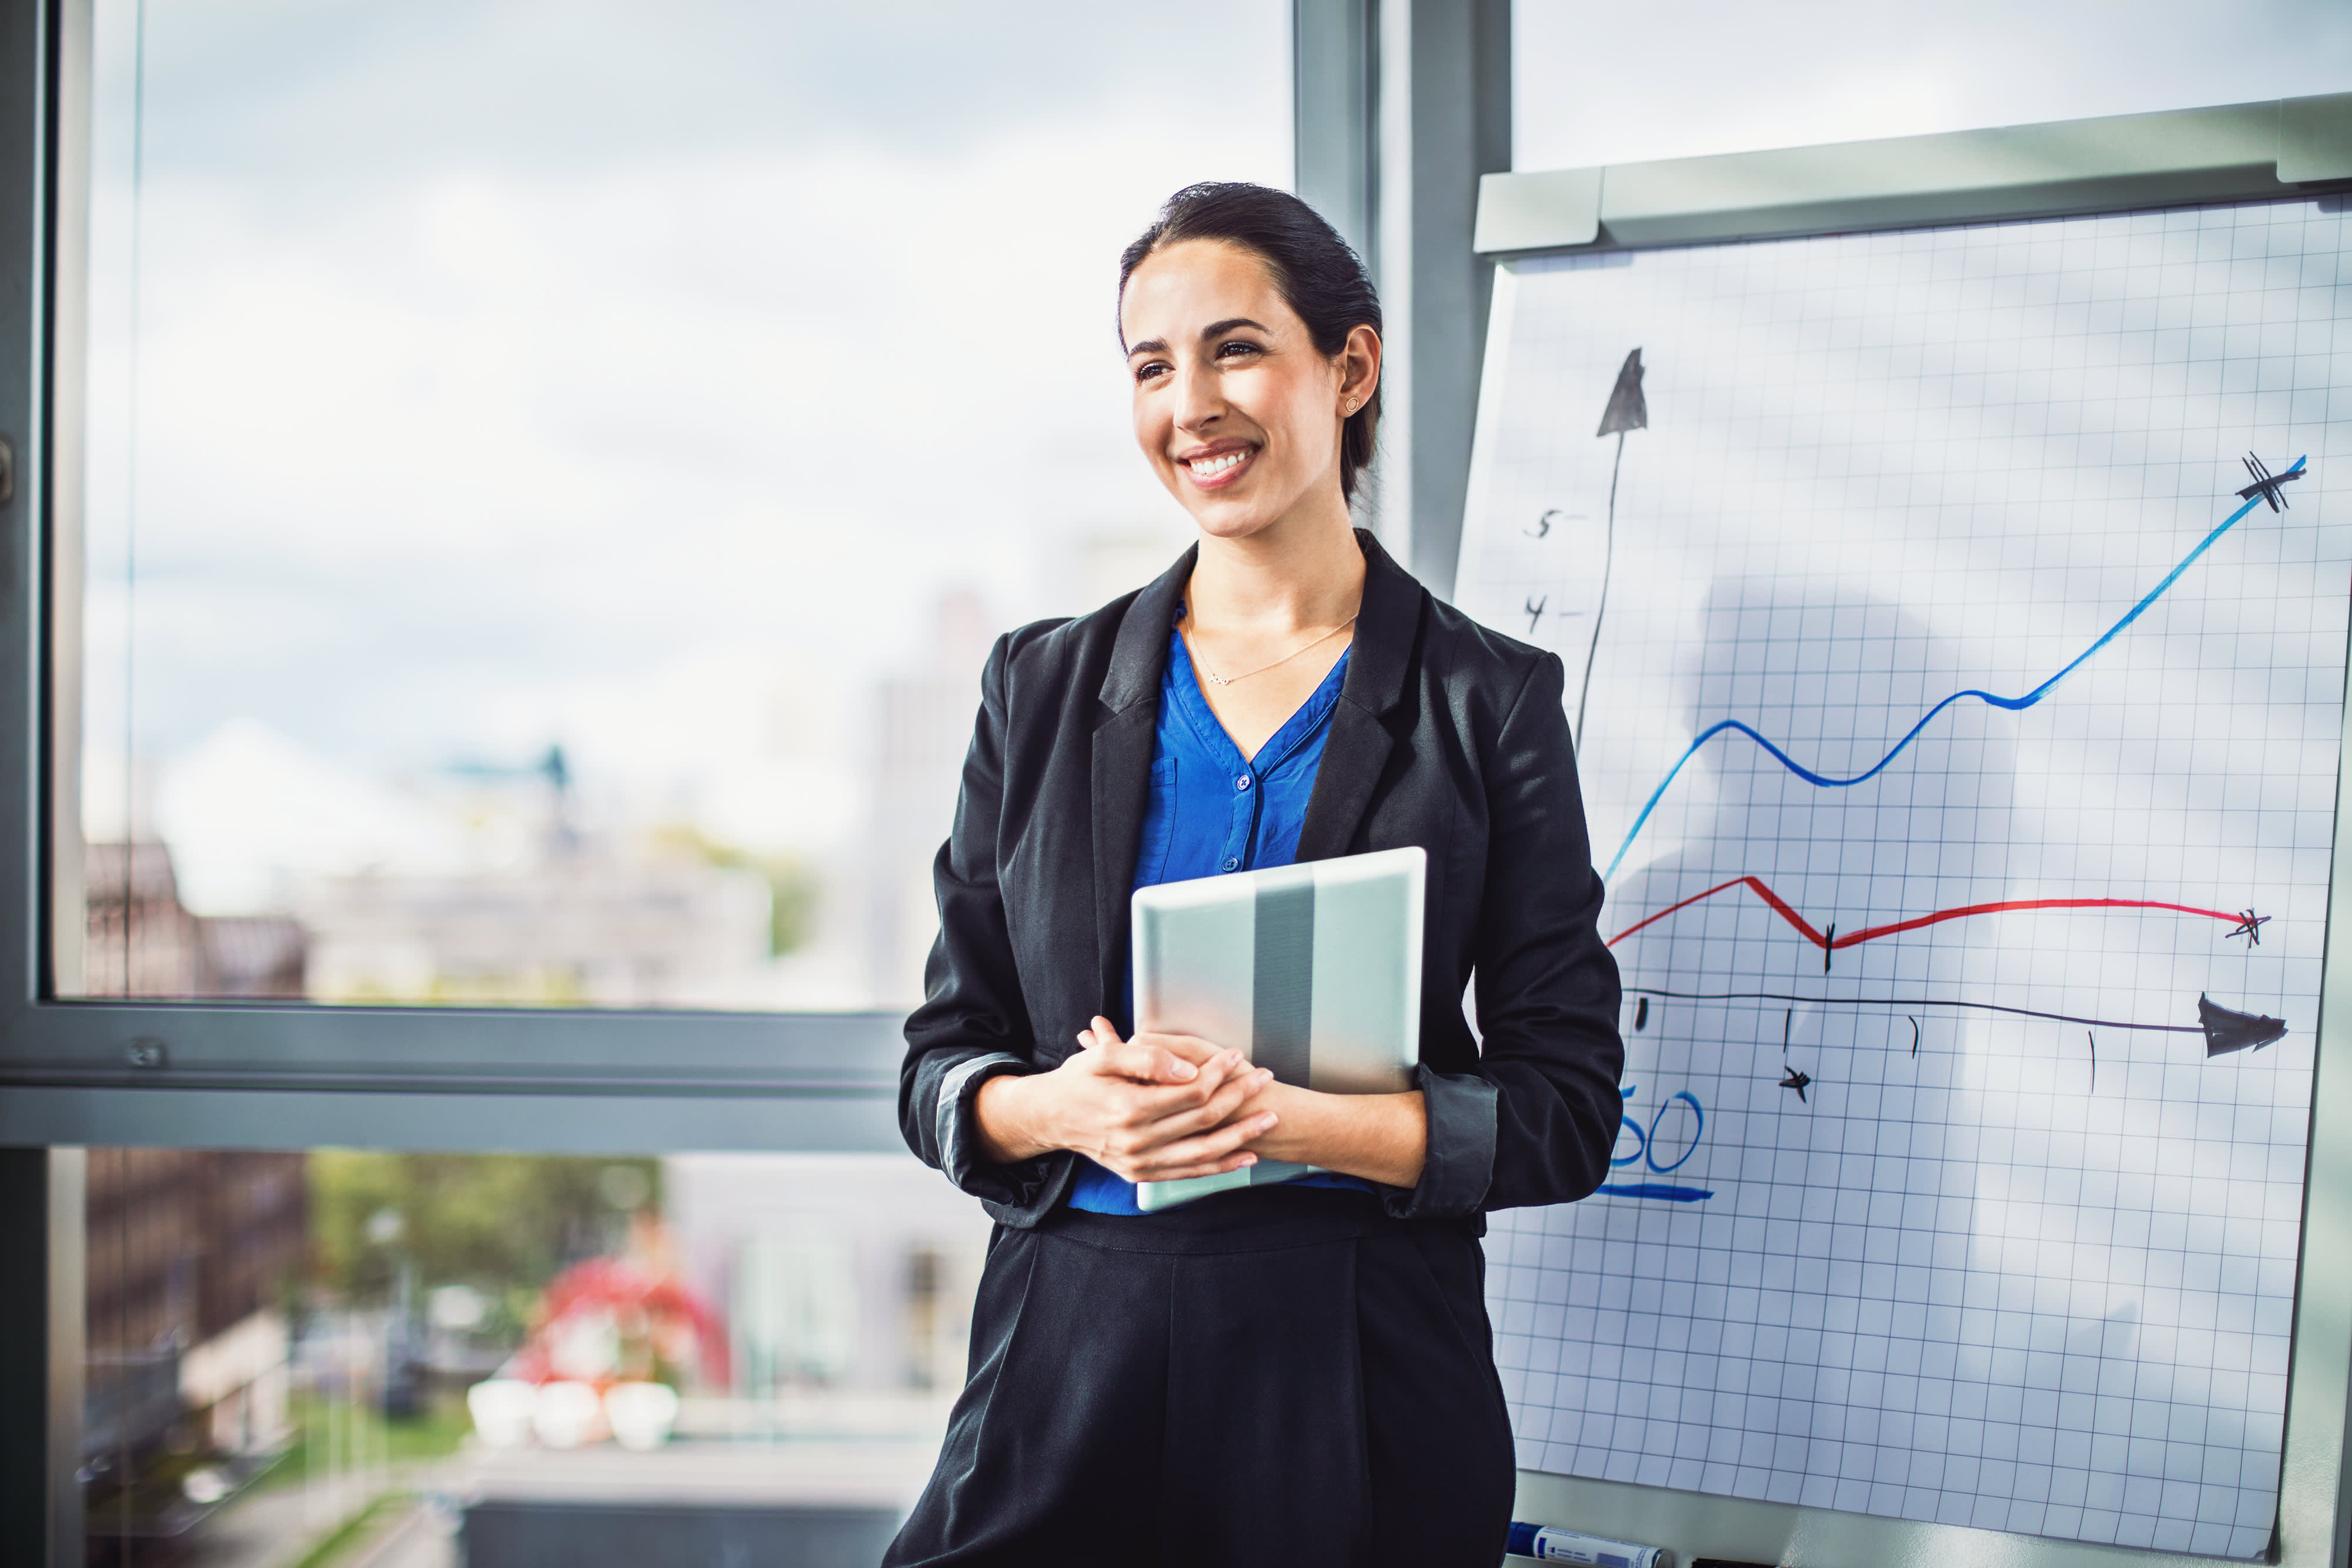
(1620,84)
(554,474)
(345,1356)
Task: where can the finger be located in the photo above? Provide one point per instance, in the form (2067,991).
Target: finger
(1154,1102)
(1192,1048)
(1207,1150)
(1148,1064)
(1179,1120)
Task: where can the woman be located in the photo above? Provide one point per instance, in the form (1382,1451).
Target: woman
(1294,1373)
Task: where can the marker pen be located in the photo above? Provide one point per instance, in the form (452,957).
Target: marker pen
(1548,1543)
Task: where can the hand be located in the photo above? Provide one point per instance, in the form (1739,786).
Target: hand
(1158,1108)
(1381,1137)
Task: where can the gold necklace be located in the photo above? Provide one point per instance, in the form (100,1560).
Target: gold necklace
(1200,660)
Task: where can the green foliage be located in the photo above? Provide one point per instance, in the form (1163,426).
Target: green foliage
(793,887)
(346,1539)
(793,890)
(501,1223)
(325,1427)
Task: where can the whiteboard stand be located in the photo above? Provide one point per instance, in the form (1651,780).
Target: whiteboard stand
(2277,151)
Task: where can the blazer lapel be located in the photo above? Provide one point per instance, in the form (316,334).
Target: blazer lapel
(1358,745)
(1124,731)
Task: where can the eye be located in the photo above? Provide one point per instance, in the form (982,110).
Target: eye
(1237,348)
(1151,369)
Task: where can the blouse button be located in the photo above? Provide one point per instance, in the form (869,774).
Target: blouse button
(1242,782)
(1233,864)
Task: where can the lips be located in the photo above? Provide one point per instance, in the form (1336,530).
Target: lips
(1217,469)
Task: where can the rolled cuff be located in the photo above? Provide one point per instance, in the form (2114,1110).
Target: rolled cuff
(1464,1112)
(958,1137)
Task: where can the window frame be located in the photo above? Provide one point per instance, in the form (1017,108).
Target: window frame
(296,1074)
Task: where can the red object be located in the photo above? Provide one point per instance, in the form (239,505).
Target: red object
(624,1287)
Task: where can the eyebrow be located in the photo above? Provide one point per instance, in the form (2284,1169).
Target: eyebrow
(1214,329)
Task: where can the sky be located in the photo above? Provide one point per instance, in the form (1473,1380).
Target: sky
(1614,83)
(643,378)
(638,379)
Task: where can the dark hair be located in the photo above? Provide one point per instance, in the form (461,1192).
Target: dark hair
(1318,274)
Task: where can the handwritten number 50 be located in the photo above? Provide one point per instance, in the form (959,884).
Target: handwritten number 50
(1643,1140)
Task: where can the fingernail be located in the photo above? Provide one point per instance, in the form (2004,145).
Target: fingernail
(1185,1070)
(1249,1159)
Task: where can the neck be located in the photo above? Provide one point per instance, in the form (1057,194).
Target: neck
(1304,571)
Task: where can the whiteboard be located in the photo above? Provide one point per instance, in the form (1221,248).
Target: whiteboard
(1961,751)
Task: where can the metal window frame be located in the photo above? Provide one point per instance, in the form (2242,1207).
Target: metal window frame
(2121,163)
(286,1076)
(232,1074)
(1401,106)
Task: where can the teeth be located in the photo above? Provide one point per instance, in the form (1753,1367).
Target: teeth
(1209,467)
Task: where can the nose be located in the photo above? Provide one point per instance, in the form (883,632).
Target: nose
(1199,401)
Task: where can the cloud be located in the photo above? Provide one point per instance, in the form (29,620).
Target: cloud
(477,432)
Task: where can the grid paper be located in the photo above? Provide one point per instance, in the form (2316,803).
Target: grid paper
(1983,1267)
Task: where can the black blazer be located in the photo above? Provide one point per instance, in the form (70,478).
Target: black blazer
(1446,734)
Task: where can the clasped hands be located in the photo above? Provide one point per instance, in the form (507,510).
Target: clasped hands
(1164,1107)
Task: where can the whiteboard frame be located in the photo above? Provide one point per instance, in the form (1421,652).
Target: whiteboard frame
(1857,187)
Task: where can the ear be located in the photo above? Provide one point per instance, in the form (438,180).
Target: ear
(1360,369)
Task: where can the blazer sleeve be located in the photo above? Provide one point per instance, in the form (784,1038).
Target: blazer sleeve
(972,1024)
(1535,1122)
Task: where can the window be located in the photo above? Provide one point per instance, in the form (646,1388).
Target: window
(553,477)
(342,1354)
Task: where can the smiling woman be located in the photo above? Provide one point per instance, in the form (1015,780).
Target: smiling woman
(1295,1371)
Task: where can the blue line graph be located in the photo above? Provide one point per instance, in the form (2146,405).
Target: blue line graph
(2013,705)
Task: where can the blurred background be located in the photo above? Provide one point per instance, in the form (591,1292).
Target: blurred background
(349,1356)
(553,473)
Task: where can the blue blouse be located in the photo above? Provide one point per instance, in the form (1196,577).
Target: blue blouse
(1213,811)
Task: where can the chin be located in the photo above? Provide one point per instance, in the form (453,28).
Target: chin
(1235,523)
(1238,517)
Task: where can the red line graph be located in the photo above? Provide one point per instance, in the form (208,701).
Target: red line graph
(1827,942)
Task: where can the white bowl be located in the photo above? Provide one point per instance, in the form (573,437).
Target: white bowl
(641,1413)
(565,1414)
(502,1409)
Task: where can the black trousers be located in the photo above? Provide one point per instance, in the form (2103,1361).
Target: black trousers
(1280,1376)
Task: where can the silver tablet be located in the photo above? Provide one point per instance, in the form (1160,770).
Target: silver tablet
(1312,970)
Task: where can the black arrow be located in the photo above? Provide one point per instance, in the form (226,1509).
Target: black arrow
(2227,1029)
(1627,410)
(1792,1079)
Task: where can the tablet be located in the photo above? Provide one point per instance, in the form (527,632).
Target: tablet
(1312,971)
